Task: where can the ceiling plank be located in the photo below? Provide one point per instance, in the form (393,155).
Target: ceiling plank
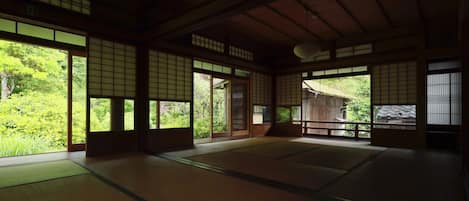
(355,19)
(420,12)
(305,6)
(291,20)
(202,17)
(291,38)
(385,14)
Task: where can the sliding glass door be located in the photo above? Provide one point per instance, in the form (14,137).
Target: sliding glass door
(239,103)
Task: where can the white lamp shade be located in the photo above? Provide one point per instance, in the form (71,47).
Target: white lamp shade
(306,50)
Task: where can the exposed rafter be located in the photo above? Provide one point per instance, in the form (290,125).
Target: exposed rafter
(202,17)
(420,11)
(153,11)
(304,5)
(355,19)
(385,14)
(272,28)
(294,22)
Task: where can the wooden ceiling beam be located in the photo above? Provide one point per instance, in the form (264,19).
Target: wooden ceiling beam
(385,14)
(291,20)
(355,19)
(283,33)
(420,12)
(202,17)
(370,59)
(305,6)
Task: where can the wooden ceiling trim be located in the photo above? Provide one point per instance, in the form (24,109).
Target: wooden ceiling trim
(385,14)
(153,11)
(355,19)
(210,14)
(285,34)
(294,22)
(320,18)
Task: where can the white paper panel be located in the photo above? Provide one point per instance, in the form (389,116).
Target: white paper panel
(288,89)
(111,69)
(170,77)
(261,89)
(394,84)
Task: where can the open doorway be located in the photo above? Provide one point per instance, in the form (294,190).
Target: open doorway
(220,107)
(43,99)
(337,106)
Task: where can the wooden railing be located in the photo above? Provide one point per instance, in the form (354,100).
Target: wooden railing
(356,128)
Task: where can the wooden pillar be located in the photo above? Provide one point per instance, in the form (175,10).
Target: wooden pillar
(274,100)
(117,114)
(464,37)
(141,98)
(421,92)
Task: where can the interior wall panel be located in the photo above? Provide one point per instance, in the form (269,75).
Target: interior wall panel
(288,89)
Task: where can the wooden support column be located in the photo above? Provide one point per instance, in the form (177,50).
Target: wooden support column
(117,114)
(464,37)
(141,98)
(421,94)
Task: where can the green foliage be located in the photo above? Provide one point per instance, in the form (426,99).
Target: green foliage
(153,121)
(32,68)
(201,106)
(283,114)
(100,114)
(129,115)
(33,119)
(17,145)
(35,116)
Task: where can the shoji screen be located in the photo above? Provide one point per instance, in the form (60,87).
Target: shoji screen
(261,89)
(395,84)
(288,89)
(111,69)
(170,77)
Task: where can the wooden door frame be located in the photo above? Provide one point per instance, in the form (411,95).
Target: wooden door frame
(228,132)
(70,146)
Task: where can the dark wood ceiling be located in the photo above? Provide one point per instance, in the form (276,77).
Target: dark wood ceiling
(283,23)
(272,27)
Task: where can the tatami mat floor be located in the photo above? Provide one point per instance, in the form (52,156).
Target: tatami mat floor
(266,168)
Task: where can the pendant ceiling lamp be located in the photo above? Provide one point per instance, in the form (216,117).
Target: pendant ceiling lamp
(307,49)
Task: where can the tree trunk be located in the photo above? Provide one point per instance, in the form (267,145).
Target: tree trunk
(5,89)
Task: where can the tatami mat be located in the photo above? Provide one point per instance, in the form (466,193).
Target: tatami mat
(295,174)
(23,174)
(225,146)
(333,157)
(76,188)
(404,175)
(279,149)
(158,179)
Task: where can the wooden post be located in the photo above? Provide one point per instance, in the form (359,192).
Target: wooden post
(141,98)
(305,128)
(356,131)
(464,31)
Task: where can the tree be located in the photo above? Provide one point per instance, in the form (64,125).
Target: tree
(28,67)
